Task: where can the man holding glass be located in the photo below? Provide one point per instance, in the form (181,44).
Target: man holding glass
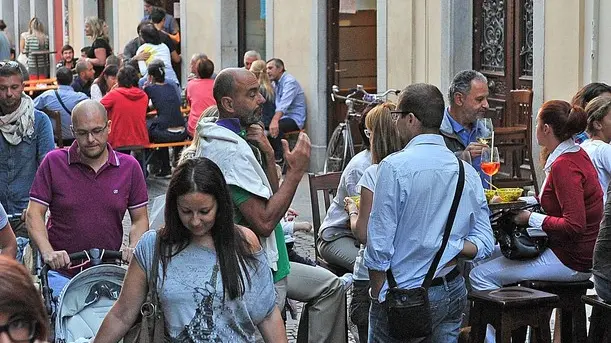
(463,133)
(87,189)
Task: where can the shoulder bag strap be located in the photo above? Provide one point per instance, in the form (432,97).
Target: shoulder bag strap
(61,102)
(446,234)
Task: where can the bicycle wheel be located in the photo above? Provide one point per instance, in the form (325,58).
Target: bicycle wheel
(334,159)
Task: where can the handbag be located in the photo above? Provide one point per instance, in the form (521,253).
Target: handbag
(408,310)
(518,242)
(150,327)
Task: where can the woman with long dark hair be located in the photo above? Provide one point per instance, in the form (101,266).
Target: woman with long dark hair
(104,83)
(214,284)
(22,314)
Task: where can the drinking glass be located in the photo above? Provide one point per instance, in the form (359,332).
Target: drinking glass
(490,162)
(484,130)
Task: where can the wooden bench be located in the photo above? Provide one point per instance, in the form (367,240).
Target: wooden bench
(31,86)
(146,151)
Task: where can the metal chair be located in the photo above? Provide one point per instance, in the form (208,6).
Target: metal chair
(514,141)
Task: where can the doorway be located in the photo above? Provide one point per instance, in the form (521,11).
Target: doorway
(351,57)
(503,51)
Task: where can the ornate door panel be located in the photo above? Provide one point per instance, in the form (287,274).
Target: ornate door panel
(502,50)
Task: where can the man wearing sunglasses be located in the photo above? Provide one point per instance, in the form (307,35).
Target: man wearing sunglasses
(27,136)
(87,188)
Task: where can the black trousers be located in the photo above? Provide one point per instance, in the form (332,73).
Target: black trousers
(284,125)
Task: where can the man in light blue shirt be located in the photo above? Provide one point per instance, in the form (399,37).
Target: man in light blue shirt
(290,114)
(412,200)
(50,100)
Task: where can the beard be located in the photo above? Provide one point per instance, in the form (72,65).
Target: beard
(253,117)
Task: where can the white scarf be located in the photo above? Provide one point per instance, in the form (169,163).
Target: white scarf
(20,123)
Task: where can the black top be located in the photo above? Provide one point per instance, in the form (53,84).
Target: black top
(97,44)
(79,85)
(165,39)
(166,102)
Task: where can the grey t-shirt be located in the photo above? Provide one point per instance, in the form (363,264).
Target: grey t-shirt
(193,304)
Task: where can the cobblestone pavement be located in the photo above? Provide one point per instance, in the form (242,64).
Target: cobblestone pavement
(304,242)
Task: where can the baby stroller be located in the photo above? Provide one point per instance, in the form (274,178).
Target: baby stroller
(78,312)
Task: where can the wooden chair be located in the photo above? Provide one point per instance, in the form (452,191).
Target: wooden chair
(514,141)
(508,309)
(570,323)
(57,128)
(327,183)
(600,321)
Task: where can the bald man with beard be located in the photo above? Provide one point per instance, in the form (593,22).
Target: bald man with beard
(87,188)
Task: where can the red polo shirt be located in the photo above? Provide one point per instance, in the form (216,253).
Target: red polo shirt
(87,208)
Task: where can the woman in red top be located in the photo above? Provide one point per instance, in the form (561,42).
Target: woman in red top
(199,92)
(126,106)
(572,200)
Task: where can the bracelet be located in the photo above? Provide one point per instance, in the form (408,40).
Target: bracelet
(353,213)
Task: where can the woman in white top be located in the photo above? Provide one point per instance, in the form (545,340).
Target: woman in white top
(384,139)
(599,133)
(336,242)
(104,83)
(158,51)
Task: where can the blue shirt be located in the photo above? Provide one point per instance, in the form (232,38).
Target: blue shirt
(3,218)
(411,203)
(290,99)
(18,163)
(168,25)
(5,47)
(470,136)
(49,101)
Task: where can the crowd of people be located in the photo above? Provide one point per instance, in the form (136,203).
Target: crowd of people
(224,253)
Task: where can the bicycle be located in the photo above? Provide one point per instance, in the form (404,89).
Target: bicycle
(341,146)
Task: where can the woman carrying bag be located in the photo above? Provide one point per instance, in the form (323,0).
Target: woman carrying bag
(213,283)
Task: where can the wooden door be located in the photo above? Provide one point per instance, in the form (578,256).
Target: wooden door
(502,50)
(351,58)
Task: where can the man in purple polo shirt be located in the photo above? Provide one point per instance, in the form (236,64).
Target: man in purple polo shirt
(87,189)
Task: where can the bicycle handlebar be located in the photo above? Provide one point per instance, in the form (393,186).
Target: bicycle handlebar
(368,99)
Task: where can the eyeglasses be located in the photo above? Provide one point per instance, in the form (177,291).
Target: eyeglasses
(96,133)
(10,64)
(367,133)
(19,329)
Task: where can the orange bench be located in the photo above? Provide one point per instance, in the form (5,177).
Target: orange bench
(41,85)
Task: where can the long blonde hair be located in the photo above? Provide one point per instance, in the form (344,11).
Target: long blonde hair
(210,114)
(383,130)
(37,28)
(97,28)
(258,68)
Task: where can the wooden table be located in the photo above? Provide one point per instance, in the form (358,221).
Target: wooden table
(512,205)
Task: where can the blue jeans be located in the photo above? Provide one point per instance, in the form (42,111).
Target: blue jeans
(447,302)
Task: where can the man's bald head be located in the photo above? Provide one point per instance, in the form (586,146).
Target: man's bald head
(87,110)
(225,83)
(236,91)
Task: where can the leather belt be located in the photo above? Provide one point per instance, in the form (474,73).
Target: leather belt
(438,281)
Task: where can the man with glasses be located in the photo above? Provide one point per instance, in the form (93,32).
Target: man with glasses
(87,188)
(27,136)
(411,205)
